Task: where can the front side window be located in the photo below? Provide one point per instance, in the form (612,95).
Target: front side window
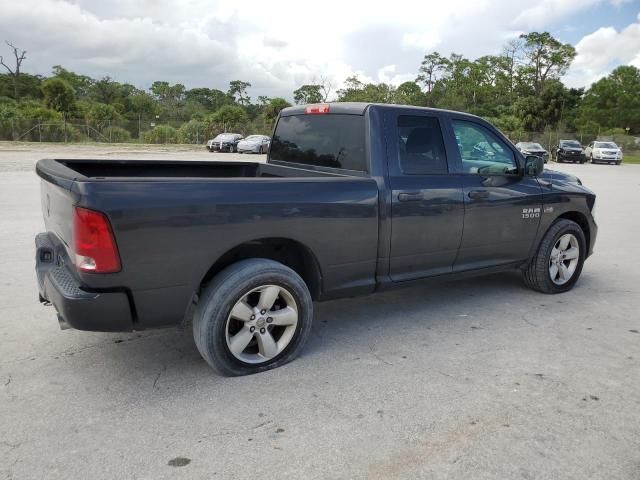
(421,147)
(481,151)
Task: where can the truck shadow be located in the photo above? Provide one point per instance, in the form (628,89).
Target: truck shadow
(346,327)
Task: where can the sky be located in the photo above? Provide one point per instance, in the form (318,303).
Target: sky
(278,46)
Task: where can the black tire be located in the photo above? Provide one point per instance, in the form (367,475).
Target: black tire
(222,293)
(536,274)
(559,159)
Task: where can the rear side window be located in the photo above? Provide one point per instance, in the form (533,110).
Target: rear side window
(331,140)
(421,145)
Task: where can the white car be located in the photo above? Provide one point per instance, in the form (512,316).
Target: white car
(603,152)
(254,144)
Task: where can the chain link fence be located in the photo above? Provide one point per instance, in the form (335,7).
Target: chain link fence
(139,130)
(197,132)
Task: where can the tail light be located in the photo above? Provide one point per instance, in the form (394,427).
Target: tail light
(317,109)
(93,243)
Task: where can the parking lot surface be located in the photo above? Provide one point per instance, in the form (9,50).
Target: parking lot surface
(475,379)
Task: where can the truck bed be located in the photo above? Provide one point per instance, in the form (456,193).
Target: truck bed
(136,170)
(173,220)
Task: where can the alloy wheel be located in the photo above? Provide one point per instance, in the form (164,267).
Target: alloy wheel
(564,259)
(261,324)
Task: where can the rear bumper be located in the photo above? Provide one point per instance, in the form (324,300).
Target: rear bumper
(77,307)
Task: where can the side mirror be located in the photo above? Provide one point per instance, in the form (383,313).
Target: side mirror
(533,165)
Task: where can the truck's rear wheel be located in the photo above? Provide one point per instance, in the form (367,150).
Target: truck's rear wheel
(557,264)
(253,316)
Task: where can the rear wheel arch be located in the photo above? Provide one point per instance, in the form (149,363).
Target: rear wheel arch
(291,253)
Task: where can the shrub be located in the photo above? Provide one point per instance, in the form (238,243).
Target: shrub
(117,134)
(161,134)
(194,131)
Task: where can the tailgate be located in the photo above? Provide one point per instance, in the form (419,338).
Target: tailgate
(57,200)
(57,210)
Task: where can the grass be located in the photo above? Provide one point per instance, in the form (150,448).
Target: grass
(631,159)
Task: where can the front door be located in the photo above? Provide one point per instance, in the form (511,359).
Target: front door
(502,206)
(427,205)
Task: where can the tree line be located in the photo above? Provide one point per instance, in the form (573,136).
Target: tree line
(519,89)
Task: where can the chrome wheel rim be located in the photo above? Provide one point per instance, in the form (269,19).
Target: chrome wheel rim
(261,324)
(564,258)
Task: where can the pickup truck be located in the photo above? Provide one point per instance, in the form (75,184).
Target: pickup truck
(354,198)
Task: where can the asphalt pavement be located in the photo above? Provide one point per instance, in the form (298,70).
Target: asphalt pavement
(475,379)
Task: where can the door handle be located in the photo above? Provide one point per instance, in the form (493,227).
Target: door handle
(410,197)
(478,194)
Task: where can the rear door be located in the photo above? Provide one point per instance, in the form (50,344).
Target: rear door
(502,206)
(427,203)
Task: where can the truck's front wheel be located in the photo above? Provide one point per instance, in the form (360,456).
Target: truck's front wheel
(253,316)
(557,264)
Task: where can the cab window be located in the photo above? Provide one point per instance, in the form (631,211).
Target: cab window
(482,152)
(420,144)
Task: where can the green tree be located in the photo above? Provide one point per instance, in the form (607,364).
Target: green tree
(105,90)
(167,94)
(409,93)
(230,116)
(209,98)
(308,94)
(141,103)
(101,115)
(356,91)
(238,91)
(614,101)
(430,69)
(58,95)
(272,109)
(80,83)
(547,58)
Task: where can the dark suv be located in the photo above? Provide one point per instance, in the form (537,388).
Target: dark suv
(569,151)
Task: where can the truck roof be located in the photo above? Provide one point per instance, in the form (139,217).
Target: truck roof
(359,108)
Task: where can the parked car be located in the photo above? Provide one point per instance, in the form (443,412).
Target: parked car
(604,152)
(569,151)
(533,148)
(354,198)
(225,142)
(254,144)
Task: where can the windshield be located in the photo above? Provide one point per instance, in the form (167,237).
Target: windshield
(570,143)
(605,145)
(254,137)
(532,146)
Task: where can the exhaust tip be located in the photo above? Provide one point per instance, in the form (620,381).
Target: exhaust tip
(63,323)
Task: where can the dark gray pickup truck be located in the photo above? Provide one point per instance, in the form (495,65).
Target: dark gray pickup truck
(354,198)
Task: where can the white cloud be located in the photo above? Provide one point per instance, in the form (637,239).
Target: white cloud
(599,52)
(276,47)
